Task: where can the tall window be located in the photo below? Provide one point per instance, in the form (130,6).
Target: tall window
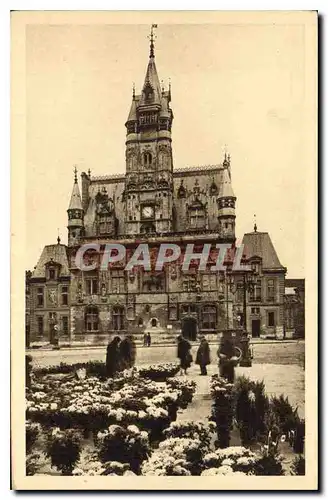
(40,326)
(271,318)
(118,281)
(255,295)
(40,297)
(148,159)
(65,325)
(92,319)
(197,218)
(64,294)
(271,290)
(209,318)
(118,318)
(92,286)
(52,274)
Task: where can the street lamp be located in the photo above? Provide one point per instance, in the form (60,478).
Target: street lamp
(246,285)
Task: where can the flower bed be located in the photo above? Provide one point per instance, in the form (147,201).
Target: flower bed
(159,373)
(238,460)
(182,452)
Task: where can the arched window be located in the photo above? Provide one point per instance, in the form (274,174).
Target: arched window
(92,319)
(118,318)
(147,159)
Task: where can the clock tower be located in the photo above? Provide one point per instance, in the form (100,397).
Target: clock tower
(148,190)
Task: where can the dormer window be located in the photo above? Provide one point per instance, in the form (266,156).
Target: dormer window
(52,274)
(197,217)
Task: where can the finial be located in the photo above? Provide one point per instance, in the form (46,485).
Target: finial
(58,237)
(152,36)
(75,174)
(89,172)
(163,90)
(255,225)
(133,91)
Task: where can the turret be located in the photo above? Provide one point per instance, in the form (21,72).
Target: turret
(226,201)
(75,215)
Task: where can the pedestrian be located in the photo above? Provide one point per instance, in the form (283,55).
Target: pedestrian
(145,339)
(148,339)
(227,360)
(127,350)
(184,354)
(113,357)
(203,356)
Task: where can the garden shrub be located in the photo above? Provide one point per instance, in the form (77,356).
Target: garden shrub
(286,416)
(251,409)
(32,431)
(64,448)
(222,409)
(126,445)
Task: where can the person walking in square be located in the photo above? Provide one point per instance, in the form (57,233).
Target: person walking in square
(203,356)
(184,354)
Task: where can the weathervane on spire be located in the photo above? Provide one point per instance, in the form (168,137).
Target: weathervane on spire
(151,37)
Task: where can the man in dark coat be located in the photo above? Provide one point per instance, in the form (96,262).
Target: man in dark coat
(127,352)
(184,354)
(113,357)
(203,356)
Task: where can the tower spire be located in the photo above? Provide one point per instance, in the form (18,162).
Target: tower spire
(152,36)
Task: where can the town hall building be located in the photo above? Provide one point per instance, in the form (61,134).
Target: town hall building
(152,203)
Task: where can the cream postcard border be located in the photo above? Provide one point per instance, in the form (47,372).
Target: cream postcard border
(19,20)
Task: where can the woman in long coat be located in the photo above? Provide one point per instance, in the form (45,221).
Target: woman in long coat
(184,354)
(203,356)
(113,357)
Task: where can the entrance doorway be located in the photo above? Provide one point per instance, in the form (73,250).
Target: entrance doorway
(189,328)
(256,326)
(154,322)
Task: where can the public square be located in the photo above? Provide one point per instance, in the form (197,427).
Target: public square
(279,364)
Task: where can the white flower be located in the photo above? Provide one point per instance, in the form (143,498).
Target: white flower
(53,406)
(225,470)
(227,461)
(283,438)
(133,428)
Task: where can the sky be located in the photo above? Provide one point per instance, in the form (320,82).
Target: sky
(239,87)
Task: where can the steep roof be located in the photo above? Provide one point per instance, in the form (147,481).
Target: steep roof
(260,245)
(226,190)
(76,202)
(152,80)
(52,253)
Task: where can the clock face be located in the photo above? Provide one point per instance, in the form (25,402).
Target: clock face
(147,212)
